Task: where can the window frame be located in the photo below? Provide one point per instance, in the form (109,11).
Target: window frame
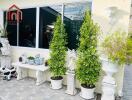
(38,18)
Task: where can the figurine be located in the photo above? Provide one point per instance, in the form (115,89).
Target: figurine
(71,60)
(24,58)
(5,49)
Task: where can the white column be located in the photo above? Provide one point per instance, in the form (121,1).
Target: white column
(71,83)
(17,34)
(1,18)
(37,26)
(63,7)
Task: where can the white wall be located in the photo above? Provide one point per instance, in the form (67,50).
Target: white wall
(100,14)
(130,22)
(5,4)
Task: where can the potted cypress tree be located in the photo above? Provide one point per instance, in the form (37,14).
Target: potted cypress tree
(58,54)
(88,64)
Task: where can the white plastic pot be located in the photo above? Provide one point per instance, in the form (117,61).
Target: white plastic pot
(56,84)
(87,93)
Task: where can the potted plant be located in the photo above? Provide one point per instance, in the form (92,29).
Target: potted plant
(88,64)
(57,54)
(114,48)
(31,60)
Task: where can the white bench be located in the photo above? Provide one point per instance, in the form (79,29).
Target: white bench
(23,72)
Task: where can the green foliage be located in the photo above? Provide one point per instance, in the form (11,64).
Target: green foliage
(88,64)
(114,47)
(129,50)
(58,49)
(31,58)
(3,31)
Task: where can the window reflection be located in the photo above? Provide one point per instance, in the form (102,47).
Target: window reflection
(27,28)
(48,16)
(73,17)
(12,31)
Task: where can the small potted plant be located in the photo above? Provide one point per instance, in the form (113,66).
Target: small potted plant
(88,63)
(58,54)
(31,60)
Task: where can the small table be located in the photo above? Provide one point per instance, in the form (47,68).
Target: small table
(22,71)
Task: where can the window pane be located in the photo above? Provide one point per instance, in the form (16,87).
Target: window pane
(27,28)
(48,16)
(12,31)
(73,18)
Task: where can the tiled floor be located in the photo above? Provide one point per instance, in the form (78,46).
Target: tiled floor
(127,88)
(27,90)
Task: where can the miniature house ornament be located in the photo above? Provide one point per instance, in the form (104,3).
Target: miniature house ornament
(71,60)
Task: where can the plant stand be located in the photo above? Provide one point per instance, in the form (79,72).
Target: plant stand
(71,59)
(109,83)
(108,91)
(71,83)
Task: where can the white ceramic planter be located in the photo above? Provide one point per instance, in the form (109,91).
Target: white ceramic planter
(108,83)
(87,93)
(109,68)
(56,84)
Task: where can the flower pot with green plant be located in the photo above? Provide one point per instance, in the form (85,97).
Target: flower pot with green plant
(88,63)
(57,54)
(31,60)
(114,48)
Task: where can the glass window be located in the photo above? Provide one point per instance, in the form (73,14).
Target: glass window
(12,31)
(27,28)
(73,17)
(48,16)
